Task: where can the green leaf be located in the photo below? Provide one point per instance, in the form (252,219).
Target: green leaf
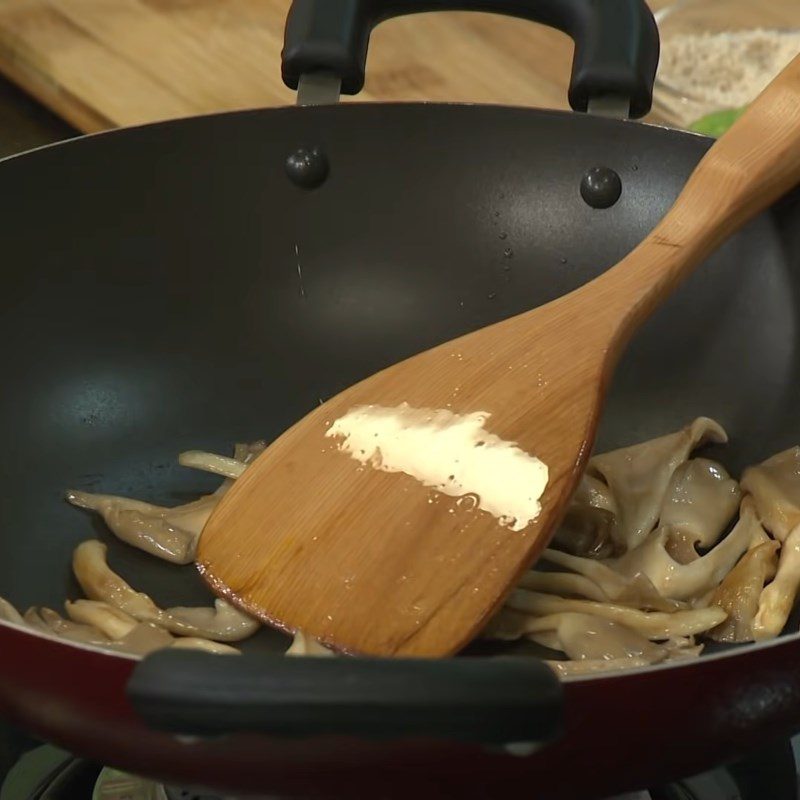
(718,122)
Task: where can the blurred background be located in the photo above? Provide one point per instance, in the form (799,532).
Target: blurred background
(99,64)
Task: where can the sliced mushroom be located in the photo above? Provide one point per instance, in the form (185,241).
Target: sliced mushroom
(688,581)
(100,582)
(580,636)
(210,462)
(196,643)
(303,645)
(638,476)
(243,455)
(169,533)
(589,521)
(50,622)
(622,589)
(567,669)
(144,639)
(652,624)
(739,593)
(509,626)
(136,637)
(139,640)
(9,613)
(777,599)
(700,501)
(110,621)
(222,623)
(775,487)
(563,583)
(588,637)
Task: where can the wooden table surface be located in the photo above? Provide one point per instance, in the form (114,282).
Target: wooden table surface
(105,63)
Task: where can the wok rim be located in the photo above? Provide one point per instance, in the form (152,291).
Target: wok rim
(410,104)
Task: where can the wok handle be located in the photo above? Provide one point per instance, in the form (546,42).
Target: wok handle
(481,700)
(616,41)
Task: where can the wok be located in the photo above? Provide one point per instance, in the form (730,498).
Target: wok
(174,286)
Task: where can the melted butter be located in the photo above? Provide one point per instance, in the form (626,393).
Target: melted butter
(452,453)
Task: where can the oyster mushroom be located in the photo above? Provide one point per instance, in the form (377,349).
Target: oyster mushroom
(638,476)
(700,501)
(100,582)
(9,613)
(243,455)
(196,643)
(133,636)
(692,580)
(589,521)
(563,583)
(169,533)
(303,645)
(587,637)
(50,622)
(777,599)
(652,624)
(739,593)
(210,462)
(144,639)
(509,626)
(567,669)
(222,622)
(622,589)
(775,487)
(103,626)
(110,621)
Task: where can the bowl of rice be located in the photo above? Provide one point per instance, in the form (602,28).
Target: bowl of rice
(718,55)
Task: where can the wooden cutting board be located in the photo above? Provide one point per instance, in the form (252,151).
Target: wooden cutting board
(106,63)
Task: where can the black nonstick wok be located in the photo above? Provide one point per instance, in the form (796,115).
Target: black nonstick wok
(205,281)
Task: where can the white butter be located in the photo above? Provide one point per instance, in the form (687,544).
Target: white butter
(452,453)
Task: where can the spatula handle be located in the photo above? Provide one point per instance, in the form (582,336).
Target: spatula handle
(744,172)
(482,700)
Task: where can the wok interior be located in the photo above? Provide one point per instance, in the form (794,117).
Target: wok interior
(167,288)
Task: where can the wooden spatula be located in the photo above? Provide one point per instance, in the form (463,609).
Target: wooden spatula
(317,536)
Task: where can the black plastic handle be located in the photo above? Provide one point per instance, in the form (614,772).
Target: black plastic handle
(616,41)
(480,700)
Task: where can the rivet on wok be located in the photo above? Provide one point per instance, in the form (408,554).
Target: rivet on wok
(601,187)
(307,167)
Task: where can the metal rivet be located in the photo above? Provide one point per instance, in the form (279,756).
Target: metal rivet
(601,187)
(307,167)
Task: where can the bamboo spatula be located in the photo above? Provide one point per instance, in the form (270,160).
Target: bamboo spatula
(394,518)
